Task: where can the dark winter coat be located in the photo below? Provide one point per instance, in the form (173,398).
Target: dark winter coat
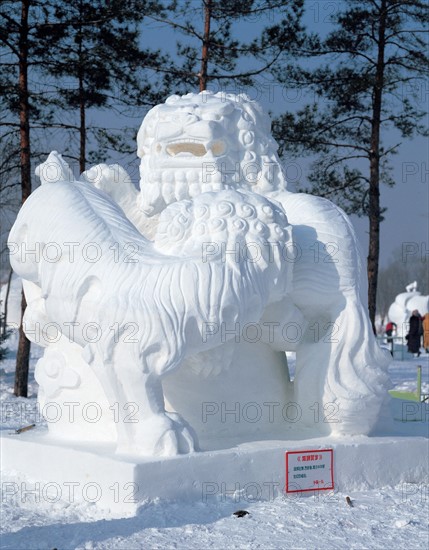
(415,334)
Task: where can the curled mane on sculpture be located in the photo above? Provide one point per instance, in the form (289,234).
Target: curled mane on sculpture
(218,268)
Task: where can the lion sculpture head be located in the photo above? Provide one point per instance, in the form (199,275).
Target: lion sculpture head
(203,142)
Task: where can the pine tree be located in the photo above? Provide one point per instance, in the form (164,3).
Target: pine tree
(15,38)
(97,63)
(376,51)
(211,54)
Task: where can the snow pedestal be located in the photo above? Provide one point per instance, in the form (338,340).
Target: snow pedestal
(247,472)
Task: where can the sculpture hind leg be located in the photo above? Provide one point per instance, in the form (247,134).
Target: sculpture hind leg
(341,371)
(318,410)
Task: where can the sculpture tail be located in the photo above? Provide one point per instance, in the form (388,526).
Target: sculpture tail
(357,378)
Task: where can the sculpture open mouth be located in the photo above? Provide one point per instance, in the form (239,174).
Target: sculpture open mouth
(194,148)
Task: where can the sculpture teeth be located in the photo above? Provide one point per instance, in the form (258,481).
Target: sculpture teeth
(186,146)
(182,190)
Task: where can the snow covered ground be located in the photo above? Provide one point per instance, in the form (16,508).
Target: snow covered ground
(393,518)
(386,518)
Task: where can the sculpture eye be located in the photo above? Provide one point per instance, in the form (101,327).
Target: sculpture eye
(209,115)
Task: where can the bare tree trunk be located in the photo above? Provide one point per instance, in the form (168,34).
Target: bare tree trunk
(22,357)
(206,41)
(82,113)
(23,353)
(82,130)
(6,302)
(24,119)
(374,177)
(374,238)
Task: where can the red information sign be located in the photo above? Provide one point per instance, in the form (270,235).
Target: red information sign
(309,470)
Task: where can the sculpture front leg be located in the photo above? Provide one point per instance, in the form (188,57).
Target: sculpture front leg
(145,427)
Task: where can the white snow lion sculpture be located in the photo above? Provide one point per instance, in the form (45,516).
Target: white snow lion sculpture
(184,296)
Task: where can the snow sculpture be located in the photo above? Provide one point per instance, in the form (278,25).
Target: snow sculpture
(412,287)
(182,298)
(405,303)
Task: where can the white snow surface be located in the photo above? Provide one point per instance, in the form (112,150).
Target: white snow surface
(391,518)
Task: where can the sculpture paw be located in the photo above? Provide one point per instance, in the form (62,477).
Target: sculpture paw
(170,435)
(184,436)
(162,435)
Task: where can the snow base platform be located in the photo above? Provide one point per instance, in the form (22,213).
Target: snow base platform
(36,466)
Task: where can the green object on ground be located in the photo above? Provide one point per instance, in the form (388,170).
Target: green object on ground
(410,395)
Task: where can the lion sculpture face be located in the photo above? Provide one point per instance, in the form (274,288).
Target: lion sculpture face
(204,142)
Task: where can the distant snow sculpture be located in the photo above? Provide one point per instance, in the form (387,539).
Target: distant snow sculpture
(412,287)
(174,305)
(405,303)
